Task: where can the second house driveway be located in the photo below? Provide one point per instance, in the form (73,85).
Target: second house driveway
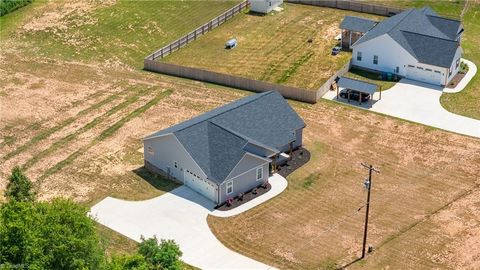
(419,102)
(181,215)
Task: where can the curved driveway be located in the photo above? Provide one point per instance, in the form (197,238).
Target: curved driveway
(420,102)
(182,215)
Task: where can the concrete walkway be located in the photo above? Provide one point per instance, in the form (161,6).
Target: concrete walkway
(182,215)
(418,102)
(472,70)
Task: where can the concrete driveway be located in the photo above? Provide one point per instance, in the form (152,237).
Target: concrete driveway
(182,215)
(418,102)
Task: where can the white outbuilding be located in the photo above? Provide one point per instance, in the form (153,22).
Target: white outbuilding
(264,6)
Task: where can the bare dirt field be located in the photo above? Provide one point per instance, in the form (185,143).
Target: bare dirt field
(273,47)
(75,122)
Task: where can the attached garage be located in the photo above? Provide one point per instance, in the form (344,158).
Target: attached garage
(425,75)
(200,185)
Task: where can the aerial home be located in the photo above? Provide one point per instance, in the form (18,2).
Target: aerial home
(416,44)
(229,150)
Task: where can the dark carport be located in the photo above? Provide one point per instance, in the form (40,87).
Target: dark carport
(357,85)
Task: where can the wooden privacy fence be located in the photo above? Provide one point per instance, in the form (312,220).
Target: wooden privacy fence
(351,5)
(202,30)
(309,96)
(328,84)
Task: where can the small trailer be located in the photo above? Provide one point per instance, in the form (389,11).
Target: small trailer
(232,43)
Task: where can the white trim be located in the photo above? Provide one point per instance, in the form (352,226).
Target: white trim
(229,176)
(157,136)
(226,187)
(256,173)
(236,176)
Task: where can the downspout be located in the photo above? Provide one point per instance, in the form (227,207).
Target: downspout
(218,195)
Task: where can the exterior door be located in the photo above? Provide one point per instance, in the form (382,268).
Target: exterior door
(200,185)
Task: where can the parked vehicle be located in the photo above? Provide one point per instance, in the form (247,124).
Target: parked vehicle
(336,50)
(354,95)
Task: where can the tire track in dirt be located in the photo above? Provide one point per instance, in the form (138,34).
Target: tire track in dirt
(106,133)
(58,127)
(64,141)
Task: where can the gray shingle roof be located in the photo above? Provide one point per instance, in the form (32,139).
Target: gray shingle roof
(357,24)
(413,27)
(360,86)
(216,139)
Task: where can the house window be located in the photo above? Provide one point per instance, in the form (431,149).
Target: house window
(229,187)
(150,151)
(410,66)
(259,173)
(397,69)
(436,71)
(458,63)
(420,68)
(359,56)
(427,69)
(375,59)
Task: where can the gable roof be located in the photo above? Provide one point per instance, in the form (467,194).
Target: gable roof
(216,139)
(357,24)
(414,29)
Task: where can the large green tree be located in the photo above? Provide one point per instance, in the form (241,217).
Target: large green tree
(48,235)
(19,187)
(165,255)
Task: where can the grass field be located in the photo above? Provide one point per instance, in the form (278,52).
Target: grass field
(315,222)
(75,114)
(274,47)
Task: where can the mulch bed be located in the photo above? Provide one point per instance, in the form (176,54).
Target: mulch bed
(456,79)
(247,197)
(299,157)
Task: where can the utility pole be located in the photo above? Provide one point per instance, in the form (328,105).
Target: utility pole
(368,186)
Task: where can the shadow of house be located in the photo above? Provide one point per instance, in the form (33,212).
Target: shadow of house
(157,181)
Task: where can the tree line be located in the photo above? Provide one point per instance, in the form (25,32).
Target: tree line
(60,235)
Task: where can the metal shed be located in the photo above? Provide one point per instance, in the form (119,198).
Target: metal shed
(357,85)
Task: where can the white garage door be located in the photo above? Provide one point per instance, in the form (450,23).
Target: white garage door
(200,185)
(424,75)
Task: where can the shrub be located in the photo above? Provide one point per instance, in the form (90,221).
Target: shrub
(19,187)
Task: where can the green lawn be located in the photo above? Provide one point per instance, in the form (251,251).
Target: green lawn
(273,48)
(126,31)
(370,77)
(467,102)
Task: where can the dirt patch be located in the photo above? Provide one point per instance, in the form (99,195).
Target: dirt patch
(57,17)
